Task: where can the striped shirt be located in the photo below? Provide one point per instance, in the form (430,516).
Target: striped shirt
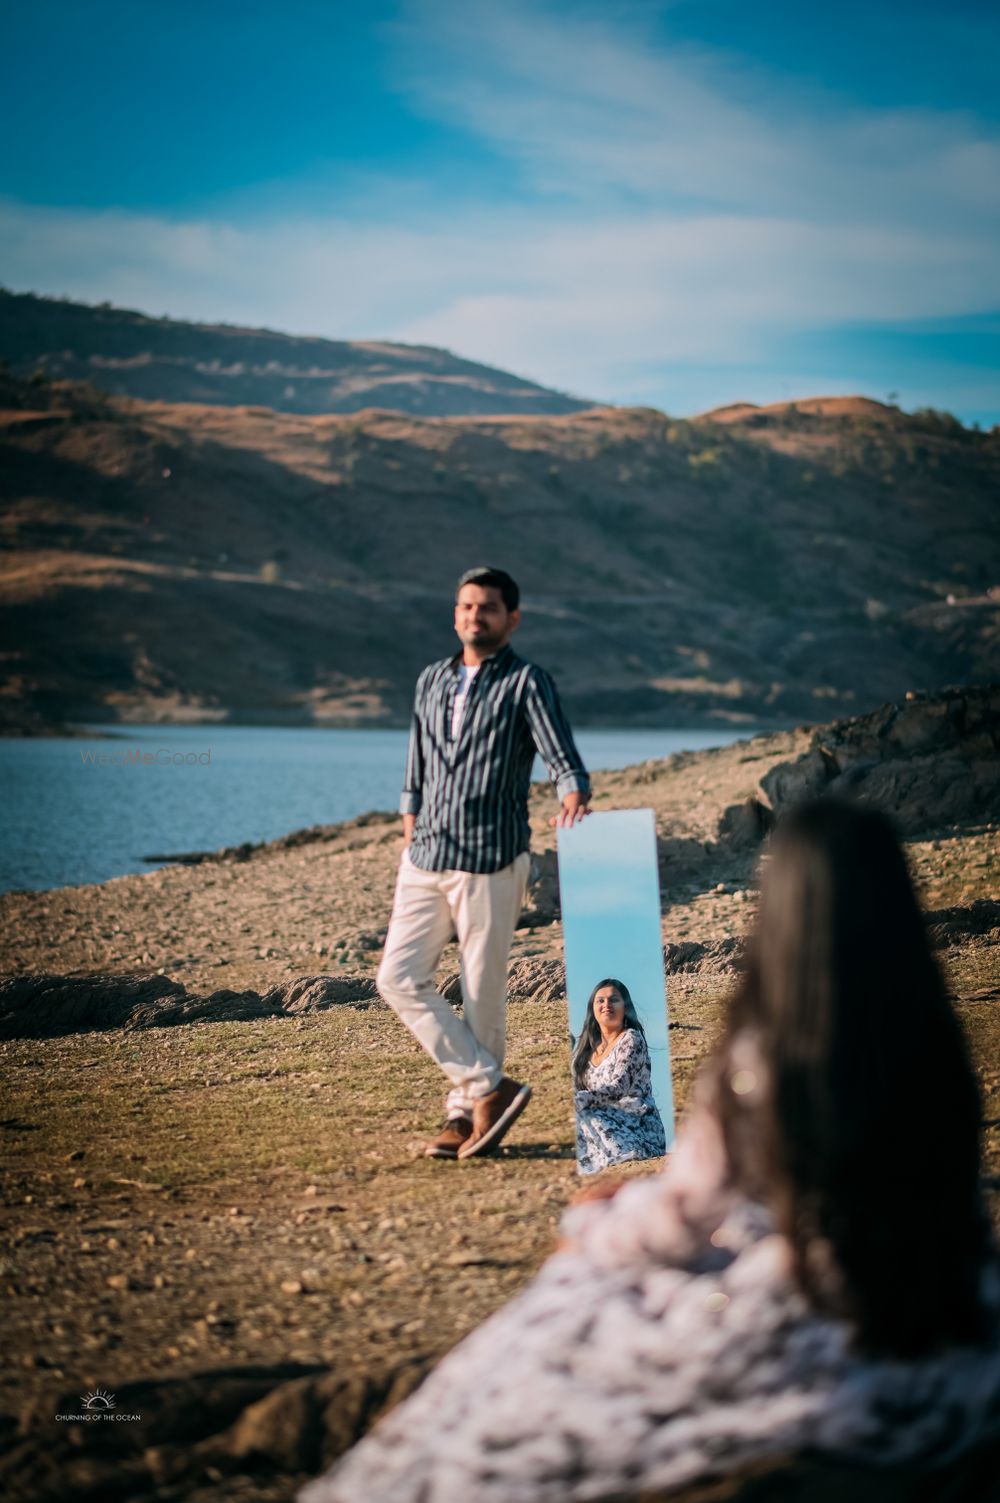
(470,791)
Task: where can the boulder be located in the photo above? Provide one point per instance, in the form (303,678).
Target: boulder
(927,762)
(743,826)
(794,782)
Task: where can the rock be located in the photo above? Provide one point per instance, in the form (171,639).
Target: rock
(451,989)
(303,1426)
(719,956)
(745,825)
(793,782)
(930,760)
(315,993)
(221,1006)
(542,903)
(47,1006)
(953,926)
(536,980)
(529,980)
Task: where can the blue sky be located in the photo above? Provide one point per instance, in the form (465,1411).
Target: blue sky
(671,204)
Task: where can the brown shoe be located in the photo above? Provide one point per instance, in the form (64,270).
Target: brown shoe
(454,1132)
(492,1115)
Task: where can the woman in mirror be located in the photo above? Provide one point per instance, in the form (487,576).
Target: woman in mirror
(616,1116)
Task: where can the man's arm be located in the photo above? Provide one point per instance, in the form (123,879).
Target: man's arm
(413,778)
(552,736)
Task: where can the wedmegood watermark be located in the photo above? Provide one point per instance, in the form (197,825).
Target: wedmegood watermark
(99,1405)
(136,757)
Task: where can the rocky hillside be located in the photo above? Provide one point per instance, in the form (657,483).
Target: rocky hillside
(165,359)
(163,560)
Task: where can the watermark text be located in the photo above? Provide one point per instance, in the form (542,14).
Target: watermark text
(135,757)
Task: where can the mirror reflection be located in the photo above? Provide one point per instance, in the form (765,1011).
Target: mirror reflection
(615,987)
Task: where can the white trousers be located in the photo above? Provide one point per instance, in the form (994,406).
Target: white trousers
(481,909)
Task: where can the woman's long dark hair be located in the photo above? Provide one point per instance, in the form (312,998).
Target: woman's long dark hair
(590,1033)
(862,1130)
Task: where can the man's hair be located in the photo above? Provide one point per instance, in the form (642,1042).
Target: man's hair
(489,578)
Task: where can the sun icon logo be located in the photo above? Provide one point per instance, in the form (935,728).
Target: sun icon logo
(99,1399)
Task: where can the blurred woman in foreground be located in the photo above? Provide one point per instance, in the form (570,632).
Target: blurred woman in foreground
(812,1271)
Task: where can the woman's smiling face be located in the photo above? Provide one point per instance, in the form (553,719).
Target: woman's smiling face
(609,1009)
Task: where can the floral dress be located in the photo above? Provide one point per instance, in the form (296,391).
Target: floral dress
(664,1343)
(616,1115)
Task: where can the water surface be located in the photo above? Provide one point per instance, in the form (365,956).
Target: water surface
(83,810)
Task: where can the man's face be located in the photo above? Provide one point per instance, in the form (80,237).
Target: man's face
(481,618)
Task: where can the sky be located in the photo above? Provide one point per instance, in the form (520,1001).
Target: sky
(675,205)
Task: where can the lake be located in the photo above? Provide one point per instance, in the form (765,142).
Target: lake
(84,810)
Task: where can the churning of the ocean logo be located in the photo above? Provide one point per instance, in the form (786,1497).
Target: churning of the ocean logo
(99,1404)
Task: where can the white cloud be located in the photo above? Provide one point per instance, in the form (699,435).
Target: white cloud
(591,106)
(675,211)
(580,305)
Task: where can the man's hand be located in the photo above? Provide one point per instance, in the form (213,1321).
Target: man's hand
(574,807)
(409,820)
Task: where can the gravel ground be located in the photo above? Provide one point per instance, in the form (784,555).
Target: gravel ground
(245,1196)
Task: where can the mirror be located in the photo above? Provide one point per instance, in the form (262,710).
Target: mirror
(610,895)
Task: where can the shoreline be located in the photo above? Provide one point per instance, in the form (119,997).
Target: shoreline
(207,918)
(179,831)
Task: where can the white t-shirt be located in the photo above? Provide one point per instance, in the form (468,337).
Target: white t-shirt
(465,678)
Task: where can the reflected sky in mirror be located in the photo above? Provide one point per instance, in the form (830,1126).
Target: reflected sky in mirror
(609,888)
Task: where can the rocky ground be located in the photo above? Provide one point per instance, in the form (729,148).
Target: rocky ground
(212,1207)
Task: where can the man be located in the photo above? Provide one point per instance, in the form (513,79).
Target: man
(477,720)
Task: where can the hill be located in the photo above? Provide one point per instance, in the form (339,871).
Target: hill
(163,359)
(163,560)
